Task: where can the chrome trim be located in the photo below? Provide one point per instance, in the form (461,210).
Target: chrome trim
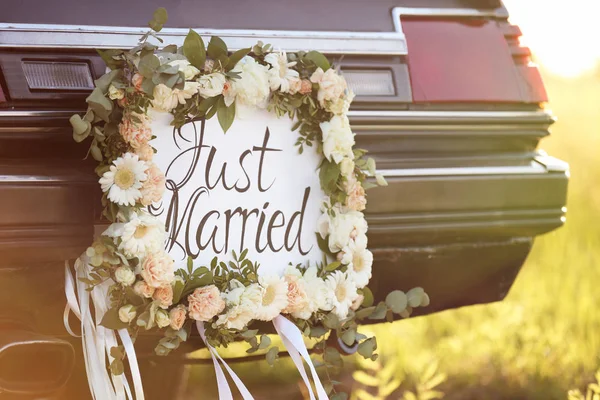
(535,168)
(106,37)
(398,12)
(449,114)
(38,113)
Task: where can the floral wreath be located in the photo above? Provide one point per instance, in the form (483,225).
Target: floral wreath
(144,290)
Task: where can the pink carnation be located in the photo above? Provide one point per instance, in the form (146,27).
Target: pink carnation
(158,270)
(205,303)
(137,134)
(153,187)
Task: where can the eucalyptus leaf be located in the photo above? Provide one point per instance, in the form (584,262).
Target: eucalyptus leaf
(272,355)
(367,347)
(117,367)
(148,65)
(101,105)
(265,342)
(105,80)
(159,18)
(194,50)
(379,312)
(368,297)
(81,128)
(397,301)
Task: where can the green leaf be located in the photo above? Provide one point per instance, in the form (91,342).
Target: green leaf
(265,342)
(95,152)
(132,297)
(216,48)
(332,356)
(368,301)
(159,18)
(190,264)
(225,114)
(81,128)
(250,333)
(331,321)
(349,337)
(364,312)
(117,367)
(194,50)
(105,80)
(329,174)
(379,312)
(172,48)
(415,296)
(272,355)
(367,347)
(148,65)
(101,105)
(333,266)
(117,352)
(107,57)
(339,396)
(111,320)
(397,301)
(318,59)
(236,57)
(317,331)
(380,180)
(177,291)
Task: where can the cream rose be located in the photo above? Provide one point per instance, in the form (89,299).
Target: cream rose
(162,318)
(347,167)
(252,89)
(137,134)
(205,303)
(158,269)
(127,313)
(142,289)
(338,139)
(166,99)
(177,317)
(211,85)
(242,303)
(153,187)
(164,296)
(189,71)
(125,276)
(114,93)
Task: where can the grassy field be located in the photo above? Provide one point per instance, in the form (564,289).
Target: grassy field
(545,337)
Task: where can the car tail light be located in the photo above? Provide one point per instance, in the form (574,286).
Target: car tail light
(47,75)
(370,82)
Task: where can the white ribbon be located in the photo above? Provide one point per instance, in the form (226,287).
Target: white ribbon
(222,385)
(97,340)
(294,344)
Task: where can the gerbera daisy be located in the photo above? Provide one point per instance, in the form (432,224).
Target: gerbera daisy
(359,261)
(124,180)
(343,293)
(274,297)
(141,235)
(281,75)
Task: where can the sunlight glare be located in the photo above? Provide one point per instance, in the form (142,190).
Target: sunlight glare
(563,35)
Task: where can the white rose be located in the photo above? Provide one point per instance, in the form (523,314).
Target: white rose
(114,93)
(338,139)
(211,85)
(341,105)
(125,276)
(166,99)
(317,293)
(127,313)
(162,318)
(344,227)
(188,69)
(252,88)
(242,303)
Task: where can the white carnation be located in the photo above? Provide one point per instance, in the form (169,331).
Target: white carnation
(211,85)
(274,297)
(338,138)
(317,291)
(252,88)
(343,291)
(241,302)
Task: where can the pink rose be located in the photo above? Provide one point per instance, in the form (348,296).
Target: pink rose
(137,134)
(142,289)
(177,317)
(137,82)
(205,303)
(297,298)
(356,197)
(305,86)
(145,152)
(153,187)
(164,296)
(158,270)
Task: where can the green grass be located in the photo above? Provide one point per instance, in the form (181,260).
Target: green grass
(545,337)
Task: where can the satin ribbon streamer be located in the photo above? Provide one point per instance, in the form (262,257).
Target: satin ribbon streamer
(292,340)
(97,340)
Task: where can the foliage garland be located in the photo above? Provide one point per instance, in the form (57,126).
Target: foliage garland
(197,83)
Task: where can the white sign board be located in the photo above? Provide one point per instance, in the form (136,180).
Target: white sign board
(247,189)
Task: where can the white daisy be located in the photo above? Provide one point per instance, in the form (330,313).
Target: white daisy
(124,180)
(274,297)
(141,235)
(281,74)
(343,293)
(359,261)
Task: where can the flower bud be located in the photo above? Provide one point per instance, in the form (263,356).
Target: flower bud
(162,318)
(125,276)
(127,313)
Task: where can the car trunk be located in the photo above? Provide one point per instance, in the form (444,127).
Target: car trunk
(448,103)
